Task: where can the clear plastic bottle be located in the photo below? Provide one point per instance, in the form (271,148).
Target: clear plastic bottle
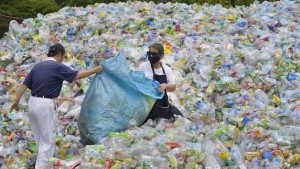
(132,124)
(237,157)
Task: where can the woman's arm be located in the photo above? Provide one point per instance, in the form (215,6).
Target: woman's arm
(169,87)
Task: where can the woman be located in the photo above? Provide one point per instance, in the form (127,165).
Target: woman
(155,69)
(45,81)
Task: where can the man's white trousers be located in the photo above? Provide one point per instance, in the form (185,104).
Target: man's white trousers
(43,118)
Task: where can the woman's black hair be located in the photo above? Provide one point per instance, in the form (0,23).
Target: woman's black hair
(56,49)
(159,47)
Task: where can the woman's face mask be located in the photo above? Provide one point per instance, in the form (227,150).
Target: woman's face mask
(153,57)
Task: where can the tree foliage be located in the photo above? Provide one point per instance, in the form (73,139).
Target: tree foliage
(28,8)
(24,9)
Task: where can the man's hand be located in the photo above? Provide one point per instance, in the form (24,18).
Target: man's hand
(15,106)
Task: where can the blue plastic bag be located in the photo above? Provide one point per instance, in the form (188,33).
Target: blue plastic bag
(113,98)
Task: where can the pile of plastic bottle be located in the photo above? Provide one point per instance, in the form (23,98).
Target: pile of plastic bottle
(237,71)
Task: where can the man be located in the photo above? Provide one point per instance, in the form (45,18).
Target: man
(45,81)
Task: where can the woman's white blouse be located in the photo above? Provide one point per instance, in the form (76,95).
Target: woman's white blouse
(146,68)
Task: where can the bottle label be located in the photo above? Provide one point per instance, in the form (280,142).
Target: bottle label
(213,167)
(251,155)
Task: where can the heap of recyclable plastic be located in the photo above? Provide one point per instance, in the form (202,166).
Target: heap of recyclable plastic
(237,70)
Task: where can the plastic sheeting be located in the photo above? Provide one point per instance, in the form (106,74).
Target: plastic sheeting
(114,97)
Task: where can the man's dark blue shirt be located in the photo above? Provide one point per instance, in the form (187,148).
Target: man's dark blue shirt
(46,78)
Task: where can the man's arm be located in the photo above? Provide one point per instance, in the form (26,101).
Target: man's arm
(85,73)
(15,104)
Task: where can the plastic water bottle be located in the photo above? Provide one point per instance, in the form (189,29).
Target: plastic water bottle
(237,157)
(124,134)
(132,124)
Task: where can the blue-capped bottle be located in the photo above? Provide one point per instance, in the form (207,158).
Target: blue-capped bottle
(291,76)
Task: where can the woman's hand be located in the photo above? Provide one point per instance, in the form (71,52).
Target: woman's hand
(168,87)
(163,87)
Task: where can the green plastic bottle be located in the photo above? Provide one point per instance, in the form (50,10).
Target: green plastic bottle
(124,134)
